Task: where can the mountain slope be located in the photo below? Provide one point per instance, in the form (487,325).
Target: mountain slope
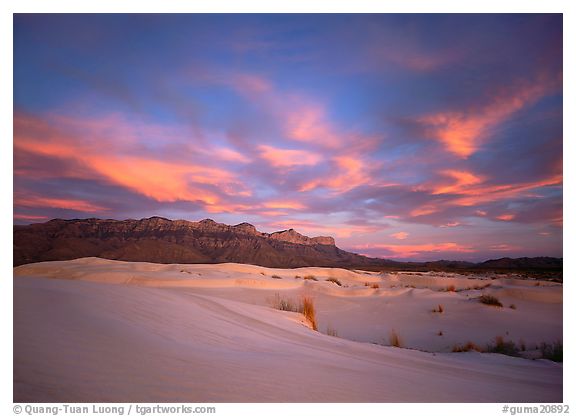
(160,240)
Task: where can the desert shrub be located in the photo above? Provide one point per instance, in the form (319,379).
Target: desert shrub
(512,306)
(451,288)
(275,276)
(503,347)
(552,352)
(310,277)
(297,277)
(285,304)
(439,309)
(331,332)
(309,311)
(490,300)
(375,286)
(366,284)
(305,307)
(395,339)
(334,280)
(469,346)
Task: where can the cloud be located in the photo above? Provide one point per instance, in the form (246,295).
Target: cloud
(44,202)
(415,250)
(463,132)
(287,158)
(400,235)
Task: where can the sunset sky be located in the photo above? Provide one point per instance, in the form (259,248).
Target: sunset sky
(416,137)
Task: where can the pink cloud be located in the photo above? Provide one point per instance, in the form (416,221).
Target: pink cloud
(288,157)
(463,132)
(400,235)
(61,203)
(417,250)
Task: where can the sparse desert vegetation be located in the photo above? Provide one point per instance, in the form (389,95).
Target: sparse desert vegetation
(500,346)
(469,346)
(330,331)
(305,306)
(275,276)
(375,286)
(451,288)
(310,277)
(309,311)
(552,352)
(512,306)
(438,309)
(490,300)
(394,339)
(334,280)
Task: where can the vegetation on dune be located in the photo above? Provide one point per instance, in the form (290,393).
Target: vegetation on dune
(439,309)
(552,352)
(490,300)
(310,277)
(305,306)
(334,280)
(275,276)
(469,346)
(395,340)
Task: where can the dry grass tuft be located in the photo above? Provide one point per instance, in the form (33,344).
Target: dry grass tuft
(469,346)
(512,306)
(331,332)
(439,309)
(553,352)
(440,333)
(395,339)
(297,277)
(451,288)
(334,280)
(275,276)
(309,311)
(490,300)
(375,286)
(310,277)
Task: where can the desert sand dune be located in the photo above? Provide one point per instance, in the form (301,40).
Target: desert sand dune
(100,330)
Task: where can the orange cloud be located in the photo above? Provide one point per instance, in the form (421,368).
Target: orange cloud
(462,180)
(506,217)
(349,173)
(462,133)
(72,204)
(287,157)
(29,217)
(423,210)
(284,205)
(104,157)
(404,251)
(400,235)
(308,124)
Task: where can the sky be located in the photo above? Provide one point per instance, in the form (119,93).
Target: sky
(403,136)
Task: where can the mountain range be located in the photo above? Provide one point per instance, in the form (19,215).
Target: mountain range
(160,240)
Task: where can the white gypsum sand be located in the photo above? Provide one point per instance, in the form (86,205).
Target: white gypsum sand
(101,330)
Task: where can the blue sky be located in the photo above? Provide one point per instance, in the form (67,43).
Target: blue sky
(403,136)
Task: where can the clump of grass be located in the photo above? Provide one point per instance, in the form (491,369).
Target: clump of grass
(503,347)
(512,306)
(284,304)
(537,284)
(395,339)
(375,286)
(480,287)
(309,311)
(439,309)
(275,276)
(185,271)
(552,352)
(297,277)
(331,332)
(305,307)
(334,280)
(451,288)
(490,300)
(440,333)
(310,277)
(366,284)
(469,346)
